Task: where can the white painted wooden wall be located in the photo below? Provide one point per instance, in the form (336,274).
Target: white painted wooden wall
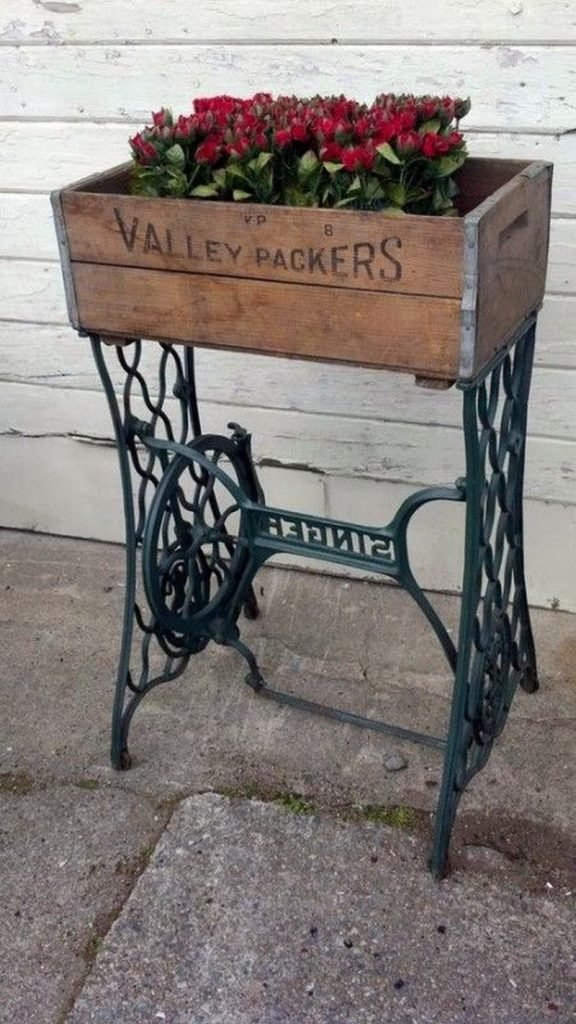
(76,78)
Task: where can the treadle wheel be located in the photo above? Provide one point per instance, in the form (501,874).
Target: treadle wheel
(193,553)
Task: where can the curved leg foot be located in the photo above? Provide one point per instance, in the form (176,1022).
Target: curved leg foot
(251,608)
(529,678)
(438,863)
(254,678)
(122,760)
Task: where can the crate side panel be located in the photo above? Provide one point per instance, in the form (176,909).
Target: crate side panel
(513,238)
(480,177)
(414,333)
(340,248)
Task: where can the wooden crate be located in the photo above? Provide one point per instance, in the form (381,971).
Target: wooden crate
(429,295)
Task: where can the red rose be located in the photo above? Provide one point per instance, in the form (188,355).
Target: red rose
(349,159)
(355,158)
(429,146)
(239,147)
(298,131)
(435,145)
(208,152)
(385,132)
(327,127)
(332,151)
(282,137)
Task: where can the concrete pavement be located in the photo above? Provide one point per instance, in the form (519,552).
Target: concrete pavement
(103,919)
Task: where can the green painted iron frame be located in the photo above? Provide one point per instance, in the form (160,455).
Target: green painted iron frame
(199,555)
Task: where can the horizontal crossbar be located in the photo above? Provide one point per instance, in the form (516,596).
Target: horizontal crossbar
(347,716)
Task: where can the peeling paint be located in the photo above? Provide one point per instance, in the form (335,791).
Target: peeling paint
(15,30)
(511,57)
(48,32)
(58,6)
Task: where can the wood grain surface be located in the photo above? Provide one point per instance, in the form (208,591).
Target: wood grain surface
(368,328)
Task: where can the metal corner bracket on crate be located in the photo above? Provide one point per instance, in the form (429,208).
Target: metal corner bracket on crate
(198,527)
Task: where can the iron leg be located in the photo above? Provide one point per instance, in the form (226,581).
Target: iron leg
(495,647)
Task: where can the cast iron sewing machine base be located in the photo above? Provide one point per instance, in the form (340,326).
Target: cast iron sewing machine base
(202,529)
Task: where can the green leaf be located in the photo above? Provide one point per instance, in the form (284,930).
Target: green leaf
(308,163)
(297,197)
(239,195)
(236,171)
(430,126)
(177,183)
(346,202)
(385,150)
(204,191)
(146,181)
(175,155)
(355,186)
(414,195)
(220,177)
(396,192)
(440,201)
(373,189)
(382,169)
(259,162)
(145,188)
(333,168)
(446,165)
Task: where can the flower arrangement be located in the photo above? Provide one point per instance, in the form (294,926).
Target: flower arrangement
(398,154)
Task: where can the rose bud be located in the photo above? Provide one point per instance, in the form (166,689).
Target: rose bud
(408,143)
(183,128)
(455,139)
(461,108)
(428,109)
(143,149)
(362,127)
(162,118)
(447,109)
(406,120)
